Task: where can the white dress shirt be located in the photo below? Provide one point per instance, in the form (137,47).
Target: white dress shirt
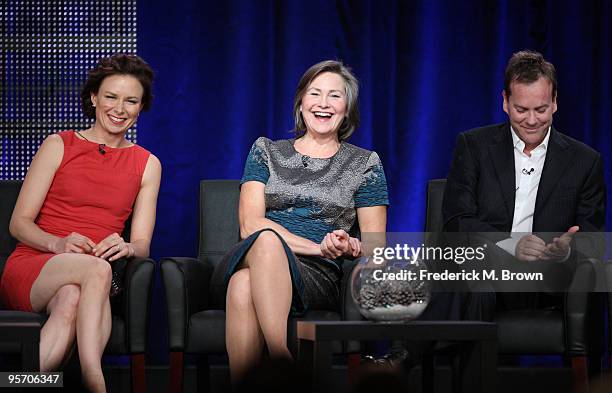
(527,172)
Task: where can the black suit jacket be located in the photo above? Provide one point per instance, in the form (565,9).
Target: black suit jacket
(480,189)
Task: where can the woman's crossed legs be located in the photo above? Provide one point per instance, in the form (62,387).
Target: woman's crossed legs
(258,301)
(73,289)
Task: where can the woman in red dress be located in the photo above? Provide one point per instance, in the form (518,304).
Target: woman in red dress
(76,196)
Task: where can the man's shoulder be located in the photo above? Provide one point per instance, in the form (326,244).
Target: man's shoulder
(488,132)
(581,148)
(481,137)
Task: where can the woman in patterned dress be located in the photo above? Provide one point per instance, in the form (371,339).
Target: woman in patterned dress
(302,201)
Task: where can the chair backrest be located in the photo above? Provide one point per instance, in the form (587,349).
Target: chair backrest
(219,226)
(9,191)
(435,196)
(220,229)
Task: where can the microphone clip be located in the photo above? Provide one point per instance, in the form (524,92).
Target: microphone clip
(528,172)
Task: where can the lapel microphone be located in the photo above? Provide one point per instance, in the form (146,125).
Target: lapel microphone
(528,172)
(101,150)
(305,160)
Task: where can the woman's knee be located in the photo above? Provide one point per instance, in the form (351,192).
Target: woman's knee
(99,272)
(67,269)
(267,244)
(268,239)
(239,290)
(65,303)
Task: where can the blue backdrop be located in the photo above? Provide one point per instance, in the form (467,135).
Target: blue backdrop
(227,71)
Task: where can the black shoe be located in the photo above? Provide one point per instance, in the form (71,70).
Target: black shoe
(392,360)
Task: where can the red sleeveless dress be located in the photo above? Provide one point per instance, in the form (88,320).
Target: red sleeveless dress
(91,194)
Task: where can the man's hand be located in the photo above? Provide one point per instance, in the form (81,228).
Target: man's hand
(531,248)
(560,246)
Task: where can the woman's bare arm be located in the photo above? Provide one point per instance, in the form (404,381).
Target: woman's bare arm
(33,193)
(145,209)
(252,211)
(373,227)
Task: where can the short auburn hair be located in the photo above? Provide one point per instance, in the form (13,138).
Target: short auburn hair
(119,64)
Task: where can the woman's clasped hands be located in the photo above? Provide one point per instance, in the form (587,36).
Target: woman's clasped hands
(111,248)
(74,242)
(338,243)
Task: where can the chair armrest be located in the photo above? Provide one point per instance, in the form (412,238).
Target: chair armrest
(606,269)
(578,309)
(138,282)
(186,283)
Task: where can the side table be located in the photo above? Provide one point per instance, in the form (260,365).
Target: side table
(315,339)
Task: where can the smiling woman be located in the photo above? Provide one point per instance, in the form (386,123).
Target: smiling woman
(80,189)
(331,84)
(301,200)
(115,93)
(117,103)
(324,104)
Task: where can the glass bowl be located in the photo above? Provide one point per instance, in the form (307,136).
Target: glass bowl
(390,291)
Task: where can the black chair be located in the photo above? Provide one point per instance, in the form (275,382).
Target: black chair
(130,315)
(571,331)
(19,331)
(605,289)
(196,328)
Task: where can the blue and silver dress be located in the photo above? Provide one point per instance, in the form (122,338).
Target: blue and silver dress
(310,197)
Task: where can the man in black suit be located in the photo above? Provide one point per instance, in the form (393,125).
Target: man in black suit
(524,189)
(517,182)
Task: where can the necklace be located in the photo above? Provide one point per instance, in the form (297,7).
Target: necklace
(101,146)
(82,136)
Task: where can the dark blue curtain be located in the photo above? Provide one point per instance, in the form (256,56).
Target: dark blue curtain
(227,71)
